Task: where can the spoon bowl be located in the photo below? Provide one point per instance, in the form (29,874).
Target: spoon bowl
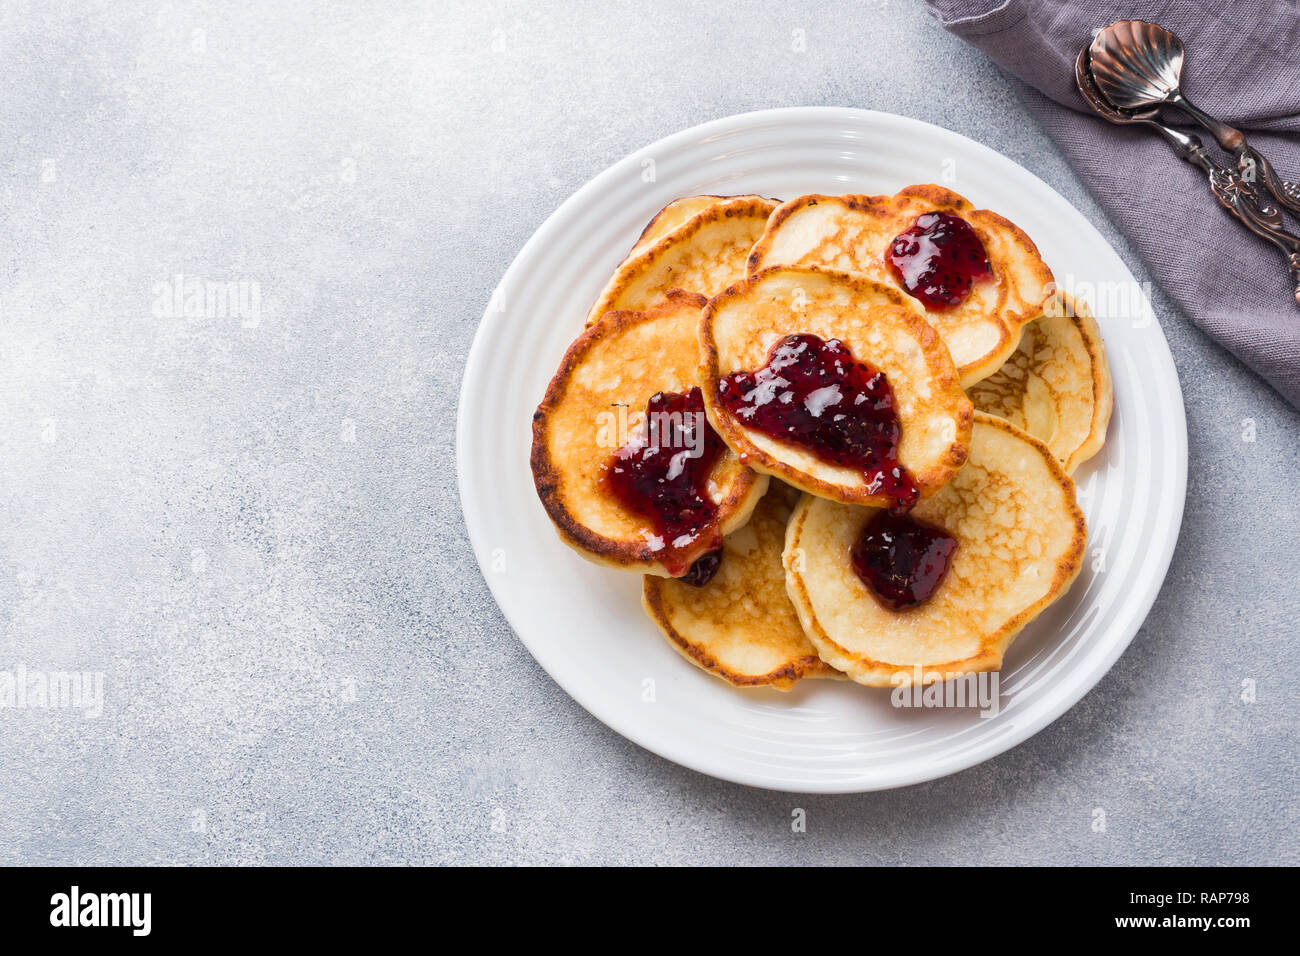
(1137,64)
(1085,79)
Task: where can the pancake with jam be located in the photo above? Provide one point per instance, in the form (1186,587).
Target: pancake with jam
(947,587)
(677,212)
(741,626)
(834,384)
(1056,385)
(977,276)
(623,457)
(703,254)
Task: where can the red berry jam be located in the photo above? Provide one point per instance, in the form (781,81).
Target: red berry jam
(702,571)
(938,259)
(901,560)
(813,393)
(663,474)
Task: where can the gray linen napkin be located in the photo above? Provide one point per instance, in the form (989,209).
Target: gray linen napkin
(1243,66)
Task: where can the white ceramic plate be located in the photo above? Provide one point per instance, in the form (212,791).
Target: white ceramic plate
(584,624)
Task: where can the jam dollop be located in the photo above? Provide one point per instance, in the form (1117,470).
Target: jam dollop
(938,259)
(702,571)
(813,393)
(901,560)
(663,474)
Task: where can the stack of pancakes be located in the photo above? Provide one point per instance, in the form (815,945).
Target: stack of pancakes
(999,399)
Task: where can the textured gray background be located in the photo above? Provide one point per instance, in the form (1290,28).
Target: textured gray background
(302,662)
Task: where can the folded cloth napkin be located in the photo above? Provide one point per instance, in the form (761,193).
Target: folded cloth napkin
(1243,67)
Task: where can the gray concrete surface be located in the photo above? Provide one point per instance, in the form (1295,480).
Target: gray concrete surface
(245,520)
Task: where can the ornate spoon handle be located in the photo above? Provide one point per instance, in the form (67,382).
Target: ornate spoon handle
(1250,161)
(1240,198)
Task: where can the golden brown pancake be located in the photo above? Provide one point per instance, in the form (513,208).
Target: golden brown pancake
(1056,385)
(879,325)
(623,362)
(741,626)
(1020,544)
(677,212)
(852,234)
(704,254)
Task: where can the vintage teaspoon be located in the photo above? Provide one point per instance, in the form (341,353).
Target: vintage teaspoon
(1235,194)
(1138,65)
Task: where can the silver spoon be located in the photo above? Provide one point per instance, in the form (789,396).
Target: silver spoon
(1138,65)
(1236,195)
